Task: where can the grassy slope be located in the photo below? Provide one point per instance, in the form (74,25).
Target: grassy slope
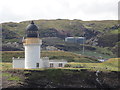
(82,62)
(95,54)
(115,31)
(73,26)
(42,24)
(100,25)
(58,78)
(111,64)
(7,56)
(113,61)
(67,25)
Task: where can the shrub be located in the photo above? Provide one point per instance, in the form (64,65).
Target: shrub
(14,78)
(67,65)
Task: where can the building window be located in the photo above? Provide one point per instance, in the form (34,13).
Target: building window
(37,65)
(60,65)
(51,64)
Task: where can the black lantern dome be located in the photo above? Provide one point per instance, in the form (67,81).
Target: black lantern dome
(32,30)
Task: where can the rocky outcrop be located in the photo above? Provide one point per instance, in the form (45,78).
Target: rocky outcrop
(58,78)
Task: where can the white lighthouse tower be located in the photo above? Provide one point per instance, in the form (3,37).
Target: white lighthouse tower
(32,44)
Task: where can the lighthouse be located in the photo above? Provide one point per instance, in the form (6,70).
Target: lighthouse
(32,44)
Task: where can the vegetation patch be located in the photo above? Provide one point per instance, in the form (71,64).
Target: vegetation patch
(109,65)
(15,78)
(53,32)
(5,66)
(6,74)
(69,56)
(10,76)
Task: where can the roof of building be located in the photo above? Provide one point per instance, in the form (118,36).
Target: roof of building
(51,61)
(32,27)
(75,37)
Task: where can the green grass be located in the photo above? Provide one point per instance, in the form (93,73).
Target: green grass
(14,78)
(64,24)
(11,40)
(69,56)
(53,74)
(113,62)
(7,55)
(115,31)
(5,66)
(10,76)
(6,74)
(100,25)
(110,65)
(98,53)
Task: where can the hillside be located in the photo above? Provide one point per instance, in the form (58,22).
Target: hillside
(113,62)
(109,65)
(59,55)
(83,69)
(63,24)
(103,34)
(58,78)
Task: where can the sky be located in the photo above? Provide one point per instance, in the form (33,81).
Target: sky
(22,10)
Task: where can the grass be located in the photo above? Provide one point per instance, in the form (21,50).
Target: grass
(14,78)
(11,40)
(5,66)
(69,56)
(11,77)
(115,31)
(110,65)
(113,61)
(100,25)
(67,25)
(53,74)
(6,74)
(98,53)
(11,74)
(7,55)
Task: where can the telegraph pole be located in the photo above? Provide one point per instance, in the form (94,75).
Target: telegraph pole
(83,42)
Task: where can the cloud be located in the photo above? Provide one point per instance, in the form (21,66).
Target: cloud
(19,10)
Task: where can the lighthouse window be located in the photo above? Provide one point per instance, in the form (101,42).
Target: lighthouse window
(51,64)
(60,65)
(37,64)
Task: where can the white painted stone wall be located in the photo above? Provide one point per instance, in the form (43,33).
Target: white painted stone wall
(45,62)
(32,56)
(18,63)
(56,63)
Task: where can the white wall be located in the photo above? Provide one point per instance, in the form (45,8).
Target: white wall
(18,63)
(32,56)
(56,63)
(45,62)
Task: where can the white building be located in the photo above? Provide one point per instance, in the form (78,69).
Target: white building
(80,40)
(46,63)
(51,48)
(32,44)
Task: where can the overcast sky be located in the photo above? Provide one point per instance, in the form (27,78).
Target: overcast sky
(21,10)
